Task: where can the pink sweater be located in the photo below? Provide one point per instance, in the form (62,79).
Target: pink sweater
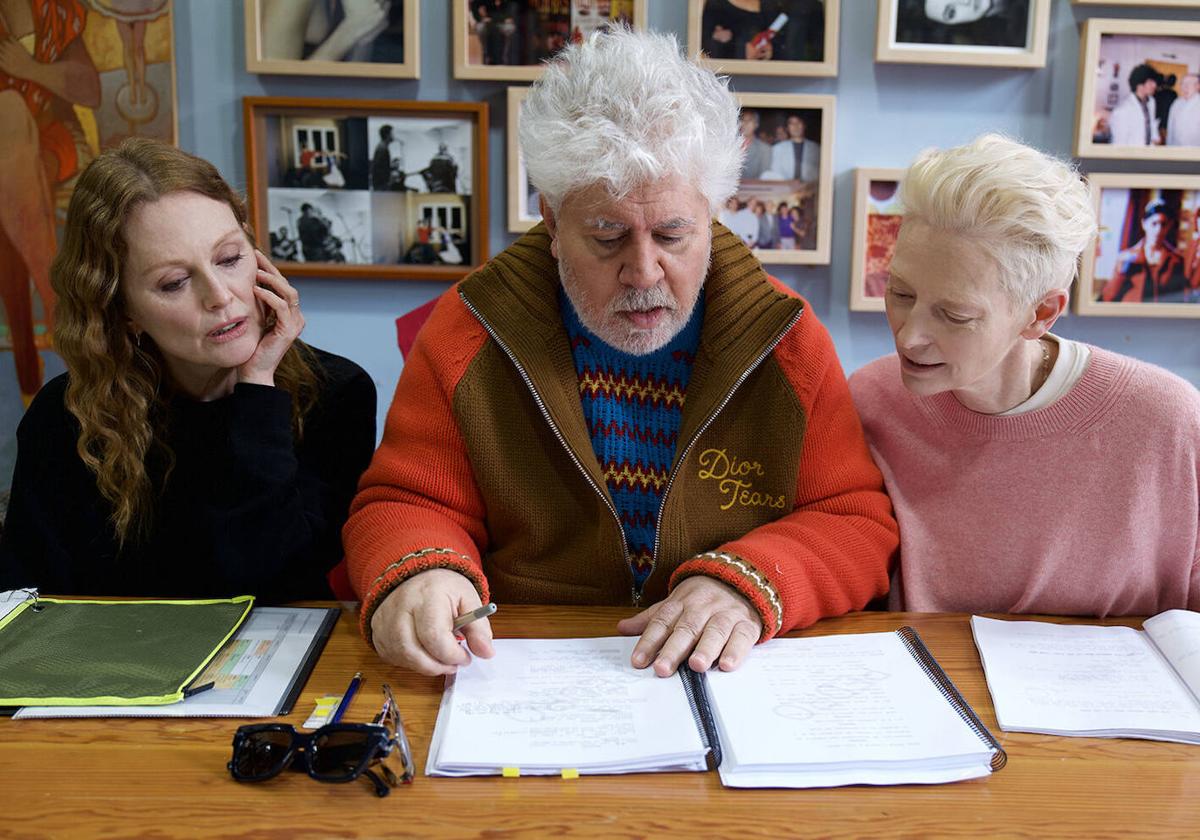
(1090,506)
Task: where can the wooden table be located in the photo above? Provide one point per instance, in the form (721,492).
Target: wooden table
(167,777)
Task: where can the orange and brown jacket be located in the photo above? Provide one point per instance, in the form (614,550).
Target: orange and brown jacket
(487,468)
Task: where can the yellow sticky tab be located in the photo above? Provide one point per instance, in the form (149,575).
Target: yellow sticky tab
(511,772)
(570,773)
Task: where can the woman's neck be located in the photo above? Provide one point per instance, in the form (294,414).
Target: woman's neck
(1017,378)
(202,384)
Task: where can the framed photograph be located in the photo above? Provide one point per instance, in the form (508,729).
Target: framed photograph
(113,69)
(996,33)
(359,188)
(782,38)
(333,37)
(507,41)
(523,212)
(1139,90)
(1147,257)
(783,206)
(1179,4)
(877,217)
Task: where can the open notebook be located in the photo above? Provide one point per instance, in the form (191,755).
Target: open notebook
(870,708)
(1102,682)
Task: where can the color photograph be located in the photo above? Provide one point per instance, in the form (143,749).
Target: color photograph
(1140,92)
(333,37)
(765,37)
(782,204)
(1147,257)
(507,40)
(999,33)
(877,217)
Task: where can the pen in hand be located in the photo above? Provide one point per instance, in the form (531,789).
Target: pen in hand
(466,618)
(355,681)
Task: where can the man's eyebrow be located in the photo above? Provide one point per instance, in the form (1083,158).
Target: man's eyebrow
(601,223)
(677,223)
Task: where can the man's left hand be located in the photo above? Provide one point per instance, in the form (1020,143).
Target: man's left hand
(703,619)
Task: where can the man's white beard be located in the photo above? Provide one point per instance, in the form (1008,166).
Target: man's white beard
(613,328)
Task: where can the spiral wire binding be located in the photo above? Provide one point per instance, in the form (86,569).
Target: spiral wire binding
(696,688)
(912,641)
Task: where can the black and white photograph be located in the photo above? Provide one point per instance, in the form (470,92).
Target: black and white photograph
(1140,90)
(523,208)
(320,226)
(1002,33)
(782,204)
(765,37)
(332,37)
(373,188)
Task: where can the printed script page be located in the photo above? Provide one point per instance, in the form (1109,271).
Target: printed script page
(565,704)
(1078,678)
(836,700)
(1176,633)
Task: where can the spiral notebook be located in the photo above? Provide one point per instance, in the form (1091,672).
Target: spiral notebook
(870,708)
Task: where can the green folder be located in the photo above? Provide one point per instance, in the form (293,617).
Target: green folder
(57,652)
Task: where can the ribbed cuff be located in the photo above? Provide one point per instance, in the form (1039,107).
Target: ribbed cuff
(747,580)
(412,564)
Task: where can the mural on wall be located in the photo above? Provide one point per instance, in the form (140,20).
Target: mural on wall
(75,78)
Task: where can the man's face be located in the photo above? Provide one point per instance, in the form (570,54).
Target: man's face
(633,268)
(1189,87)
(748,123)
(795,128)
(1146,88)
(1156,226)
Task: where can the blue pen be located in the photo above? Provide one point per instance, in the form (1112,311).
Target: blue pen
(346,698)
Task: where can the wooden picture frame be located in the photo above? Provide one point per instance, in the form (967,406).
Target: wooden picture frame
(872,244)
(775,183)
(523,212)
(335,190)
(378,51)
(1107,116)
(1114,276)
(468,42)
(824,65)
(889,48)
(1144,4)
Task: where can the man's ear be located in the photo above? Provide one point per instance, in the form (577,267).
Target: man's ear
(551,224)
(1046,312)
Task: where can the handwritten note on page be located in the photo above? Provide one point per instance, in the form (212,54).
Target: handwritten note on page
(544,705)
(839,710)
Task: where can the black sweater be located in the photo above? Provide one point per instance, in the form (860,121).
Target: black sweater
(245,510)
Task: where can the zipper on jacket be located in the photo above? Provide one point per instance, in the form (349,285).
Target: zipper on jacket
(537,398)
(703,427)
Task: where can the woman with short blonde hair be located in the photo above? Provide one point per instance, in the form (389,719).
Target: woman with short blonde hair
(1029,473)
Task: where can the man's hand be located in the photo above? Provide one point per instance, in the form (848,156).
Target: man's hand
(703,619)
(413,627)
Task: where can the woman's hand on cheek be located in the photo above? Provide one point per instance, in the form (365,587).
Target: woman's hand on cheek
(282,323)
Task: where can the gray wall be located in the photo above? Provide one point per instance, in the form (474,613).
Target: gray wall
(885,114)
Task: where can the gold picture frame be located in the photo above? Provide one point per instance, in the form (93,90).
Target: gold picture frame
(827,65)
(1032,54)
(1115,272)
(286,39)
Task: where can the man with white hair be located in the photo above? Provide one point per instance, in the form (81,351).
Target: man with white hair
(621,408)
(1183,120)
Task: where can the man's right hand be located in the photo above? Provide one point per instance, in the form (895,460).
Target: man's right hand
(413,626)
